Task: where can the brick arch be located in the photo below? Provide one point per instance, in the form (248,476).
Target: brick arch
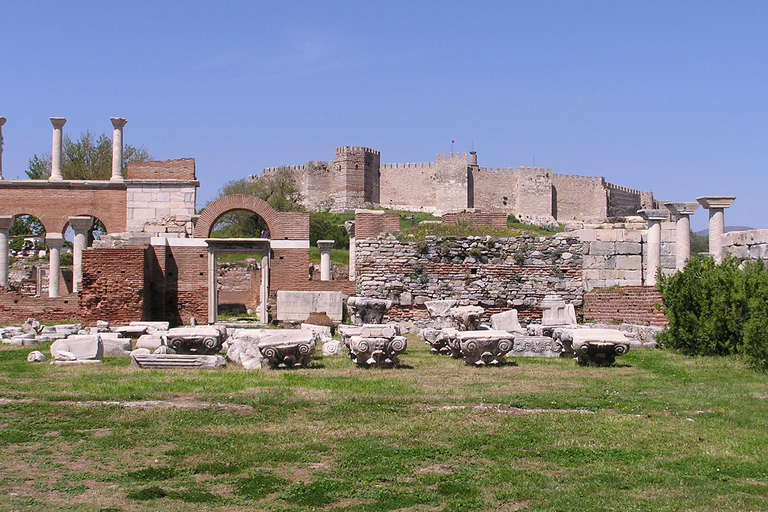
(226,204)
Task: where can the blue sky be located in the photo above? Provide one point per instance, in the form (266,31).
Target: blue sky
(662,96)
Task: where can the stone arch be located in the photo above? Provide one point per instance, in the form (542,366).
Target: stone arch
(226,204)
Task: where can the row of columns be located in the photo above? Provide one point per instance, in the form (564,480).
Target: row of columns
(80,225)
(58,136)
(681,213)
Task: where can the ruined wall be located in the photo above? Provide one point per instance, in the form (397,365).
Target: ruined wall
(186,284)
(182,169)
(370,223)
(451,183)
(161,208)
(356,175)
(494,189)
(497,274)
(639,305)
(492,219)
(747,245)
(578,198)
(115,284)
(408,186)
(16,308)
(238,285)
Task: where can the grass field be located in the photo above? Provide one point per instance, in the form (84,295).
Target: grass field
(658,431)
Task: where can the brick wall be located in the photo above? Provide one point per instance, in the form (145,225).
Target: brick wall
(641,305)
(115,285)
(186,284)
(182,169)
(16,308)
(369,223)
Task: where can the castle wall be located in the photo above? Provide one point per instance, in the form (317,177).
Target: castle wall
(356,175)
(494,189)
(578,198)
(451,193)
(408,186)
(534,194)
(623,202)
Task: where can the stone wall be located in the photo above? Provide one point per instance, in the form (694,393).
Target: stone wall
(16,308)
(370,223)
(747,245)
(497,274)
(356,177)
(623,202)
(494,189)
(418,195)
(639,305)
(578,198)
(534,195)
(161,208)
(238,284)
(492,219)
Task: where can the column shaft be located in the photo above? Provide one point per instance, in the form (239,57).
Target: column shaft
(5,227)
(2,122)
(117,148)
(654,251)
(58,125)
(716,229)
(264,289)
(54,254)
(682,241)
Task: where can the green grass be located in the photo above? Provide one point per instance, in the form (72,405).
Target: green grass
(339,257)
(658,431)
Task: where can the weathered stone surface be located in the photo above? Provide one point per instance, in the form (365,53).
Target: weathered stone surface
(176,361)
(506,321)
(555,312)
(367,311)
(152,326)
(195,340)
(114,346)
(467,317)
(332,348)
(536,346)
(437,339)
(132,331)
(379,331)
(296,306)
(439,308)
(481,348)
(323,332)
(594,347)
(36,357)
(379,352)
(286,348)
(149,341)
(83,347)
(244,349)
(347,331)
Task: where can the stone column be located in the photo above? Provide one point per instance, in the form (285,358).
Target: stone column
(58,124)
(654,218)
(264,291)
(117,148)
(716,205)
(55,242)
(6,222)
(325,258)
(2,122)
(682,213)
(350,227)
(81,226)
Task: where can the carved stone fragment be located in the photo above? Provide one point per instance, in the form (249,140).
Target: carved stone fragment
(481,348)
(364,310)
(195,340)
(176,361)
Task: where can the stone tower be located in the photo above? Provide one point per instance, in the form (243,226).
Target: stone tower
(356,176)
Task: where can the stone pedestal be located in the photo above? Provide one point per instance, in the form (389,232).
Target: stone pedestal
(682,213)
(439,313)
(593,347)
(55,242)
(6,221)
(325,247)
(58,125)
(367,311)
(654,218)
(716,206)
(117,148)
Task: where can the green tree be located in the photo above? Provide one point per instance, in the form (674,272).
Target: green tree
(86,158)
(279,190)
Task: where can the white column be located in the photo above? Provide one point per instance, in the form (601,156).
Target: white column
(55,241)
(350,227)
(325,258)
(6,222)
(2,122)
(654,218)
(264,290)
(81,226)
(117,148)
(58,124)
(682,213)
(716,206)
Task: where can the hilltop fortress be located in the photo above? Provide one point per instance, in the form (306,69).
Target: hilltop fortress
(454,182)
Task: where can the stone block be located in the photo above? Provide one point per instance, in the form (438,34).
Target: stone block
(506,321)
(195,340)
(176,361)
(81,346)
(602,248)
(535,346)
(628,248)
(36,357)
(149,341)
(439,308)
(287,348)
(293,306)
(624,262)
(114,346)
(379,331)
(598,262)
(606,235)
(587,235)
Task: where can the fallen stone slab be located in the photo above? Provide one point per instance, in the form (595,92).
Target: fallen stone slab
(295,306)
(177,361)
(150,341)
(84,347)
(467,317)
(535,346)
(506,321)
(132,331)
(244,348)
(323,332)
(116,347)
(151,326)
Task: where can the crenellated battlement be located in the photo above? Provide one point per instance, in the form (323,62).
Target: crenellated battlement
(421,165)
(538,171)
(353,150)
(575,177)
(270,171)
(452,156)
(623,189)
(497,170)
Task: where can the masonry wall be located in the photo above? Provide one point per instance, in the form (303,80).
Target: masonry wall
(494,189)
(747,245)
(15,308)
(418,195)
(239,284)
(160,208)
(640,305)
(534,194)
(356,176)
(451,182)
(369,223)
(492,219)
(623,202)
(185,284)
(497,274)
(115,284)
(578,198)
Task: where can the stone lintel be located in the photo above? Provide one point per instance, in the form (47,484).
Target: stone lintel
(710,202)
(62,184)
(654,214)
(682,208)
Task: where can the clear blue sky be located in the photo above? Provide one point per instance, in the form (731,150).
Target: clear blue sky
(667,96)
